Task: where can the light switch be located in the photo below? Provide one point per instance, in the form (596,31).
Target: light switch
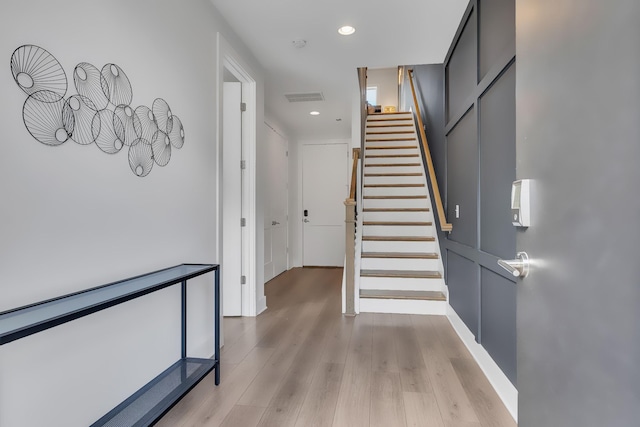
(457,211)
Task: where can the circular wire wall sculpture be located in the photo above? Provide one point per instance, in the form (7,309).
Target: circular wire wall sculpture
(163,114)
(89,83)
(161,145)
(176,132)
(130,123)
(34,69)
(116,85)
(141,157)
(148,125)
(44,117)
(83,112)
(108,132)
(100,112)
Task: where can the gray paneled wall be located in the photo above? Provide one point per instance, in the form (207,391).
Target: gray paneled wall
(497,163)
(461,68)
(462,180)
(475,165)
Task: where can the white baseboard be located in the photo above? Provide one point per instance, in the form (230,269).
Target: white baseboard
(506,391)
(402,306)
(261,305)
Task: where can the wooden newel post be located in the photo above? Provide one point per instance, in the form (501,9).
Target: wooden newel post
(350,251)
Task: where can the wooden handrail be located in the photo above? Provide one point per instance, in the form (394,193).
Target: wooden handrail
(444,225)
(354,174)
(364,111)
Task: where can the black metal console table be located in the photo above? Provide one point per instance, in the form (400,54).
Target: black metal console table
(151,402)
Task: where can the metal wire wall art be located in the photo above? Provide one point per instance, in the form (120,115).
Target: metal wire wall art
(101,111)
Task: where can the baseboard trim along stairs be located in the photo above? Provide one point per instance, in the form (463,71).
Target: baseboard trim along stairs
(401,268)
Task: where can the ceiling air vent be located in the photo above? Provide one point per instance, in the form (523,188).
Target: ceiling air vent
(304,97)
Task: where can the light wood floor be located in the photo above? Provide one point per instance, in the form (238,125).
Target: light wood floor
(301,363)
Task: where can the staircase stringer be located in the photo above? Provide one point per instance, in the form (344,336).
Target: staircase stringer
(429,188)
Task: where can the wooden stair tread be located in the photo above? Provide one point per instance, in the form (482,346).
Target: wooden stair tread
(401,255)
(401,223)
(411,295)
(399,238)
(393,174)
(404,274)
(390,125)
(406,113)
(393,185)
(389,156)
(390,119)
(389,139)
(393,147)
(393,197)
(391,132)
(395,210)
(391,164)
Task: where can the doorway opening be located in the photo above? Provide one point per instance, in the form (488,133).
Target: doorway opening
(236,186)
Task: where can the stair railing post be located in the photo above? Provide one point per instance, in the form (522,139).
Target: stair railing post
(350,251)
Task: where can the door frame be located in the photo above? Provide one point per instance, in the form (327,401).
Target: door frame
(228,58)
(231,206)
(271,128)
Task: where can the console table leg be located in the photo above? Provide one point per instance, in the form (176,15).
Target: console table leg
(184,319)
(217,324)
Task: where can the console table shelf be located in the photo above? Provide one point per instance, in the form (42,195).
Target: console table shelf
(153,400)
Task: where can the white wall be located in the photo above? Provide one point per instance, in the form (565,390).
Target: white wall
(386,79)
(73,217)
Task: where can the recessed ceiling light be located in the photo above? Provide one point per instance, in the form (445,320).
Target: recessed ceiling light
(347,30)
(315,113)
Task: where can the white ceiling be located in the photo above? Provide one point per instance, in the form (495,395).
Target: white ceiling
(388,33)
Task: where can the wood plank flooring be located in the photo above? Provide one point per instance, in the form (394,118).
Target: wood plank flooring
(301,363)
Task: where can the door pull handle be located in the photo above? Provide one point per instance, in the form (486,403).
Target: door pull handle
(517,267)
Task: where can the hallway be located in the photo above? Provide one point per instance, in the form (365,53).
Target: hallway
(301,363)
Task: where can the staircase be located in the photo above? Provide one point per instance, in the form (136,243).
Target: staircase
(401,269)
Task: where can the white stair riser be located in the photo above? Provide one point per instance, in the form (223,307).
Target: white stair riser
(396,203)
(374,125)
(394,246)
(397,230)
(384,117)
(398,121)
(386,130)
(398,216)
(394,160)
(392,284)
(395,143)
(371,305)
(395,191)
(394,180)
(391,151)
(394,137)
(393,169)
(400,264)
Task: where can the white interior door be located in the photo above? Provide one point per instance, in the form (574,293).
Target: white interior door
(276,205)
(231,200)
(324,189)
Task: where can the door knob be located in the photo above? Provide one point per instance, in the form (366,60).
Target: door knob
(275,223)
(305,220)
(518,267)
